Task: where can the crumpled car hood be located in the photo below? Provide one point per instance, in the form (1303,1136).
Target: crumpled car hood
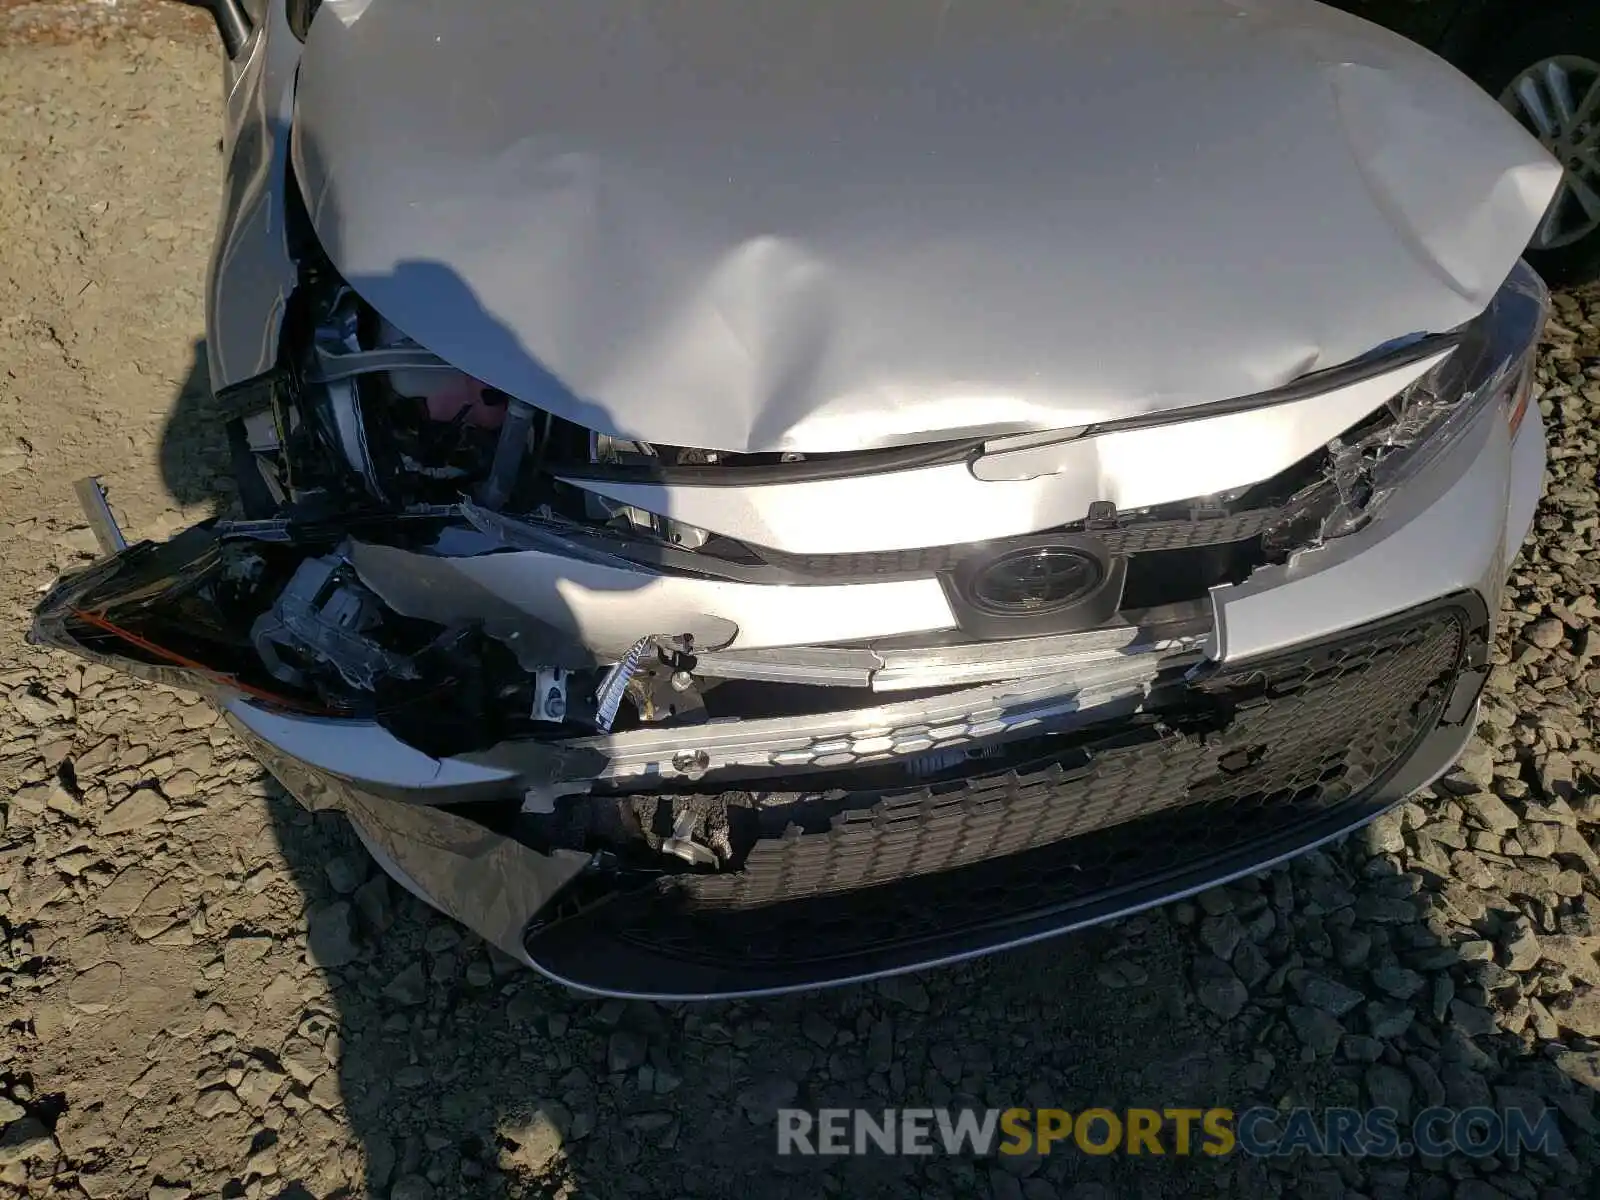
(840,225)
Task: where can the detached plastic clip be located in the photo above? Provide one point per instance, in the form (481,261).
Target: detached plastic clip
(92,499)
(608,696)
(1102,515)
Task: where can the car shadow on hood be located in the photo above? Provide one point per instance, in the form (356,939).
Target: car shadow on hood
(443,301)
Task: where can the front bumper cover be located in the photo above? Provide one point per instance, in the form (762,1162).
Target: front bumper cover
(1251,764)
(1229,773)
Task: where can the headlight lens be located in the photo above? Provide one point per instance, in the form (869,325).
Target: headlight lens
(1492,366)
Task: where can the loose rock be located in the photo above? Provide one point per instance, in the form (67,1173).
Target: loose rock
(1316,1029)
(331,936)
(142,808)
(1326,994)
(1219,990)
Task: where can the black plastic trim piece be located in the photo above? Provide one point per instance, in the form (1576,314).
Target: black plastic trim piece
(233,23)
(1327,380)
(906,458)
(299,14)
(1086,611)
(810,470)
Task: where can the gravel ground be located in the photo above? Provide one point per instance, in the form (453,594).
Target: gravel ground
(207,991)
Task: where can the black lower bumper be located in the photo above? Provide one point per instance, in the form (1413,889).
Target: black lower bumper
(1267,759)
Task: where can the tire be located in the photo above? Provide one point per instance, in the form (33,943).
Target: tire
(1519,42)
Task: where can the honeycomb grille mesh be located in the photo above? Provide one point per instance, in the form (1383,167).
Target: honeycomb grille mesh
(1300,738)
(1147,537)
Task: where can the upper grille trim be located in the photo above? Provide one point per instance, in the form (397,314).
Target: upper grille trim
(1144,537)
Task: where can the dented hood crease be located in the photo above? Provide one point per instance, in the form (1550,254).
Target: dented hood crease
(840,226)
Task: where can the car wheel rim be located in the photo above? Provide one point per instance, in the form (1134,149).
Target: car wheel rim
(1558,101)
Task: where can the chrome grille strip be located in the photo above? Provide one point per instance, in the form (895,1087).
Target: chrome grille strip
(858,736)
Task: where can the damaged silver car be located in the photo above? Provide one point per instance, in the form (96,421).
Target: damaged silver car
(739,497)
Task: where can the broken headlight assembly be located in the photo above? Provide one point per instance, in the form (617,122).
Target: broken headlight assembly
(357,417)
(1490,368)
(360,434)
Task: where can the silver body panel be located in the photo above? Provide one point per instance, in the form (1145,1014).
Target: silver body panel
(834,226)
(251,273)
(608,608)
(1446,532)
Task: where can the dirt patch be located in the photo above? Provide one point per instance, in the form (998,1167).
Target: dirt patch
(64,22)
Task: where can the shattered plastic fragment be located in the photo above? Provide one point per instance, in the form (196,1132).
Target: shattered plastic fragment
(319,616)
(1431,415)
(92,497)
(608,696)
(550,695)
(508,455)
(542,798)
(682,844)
